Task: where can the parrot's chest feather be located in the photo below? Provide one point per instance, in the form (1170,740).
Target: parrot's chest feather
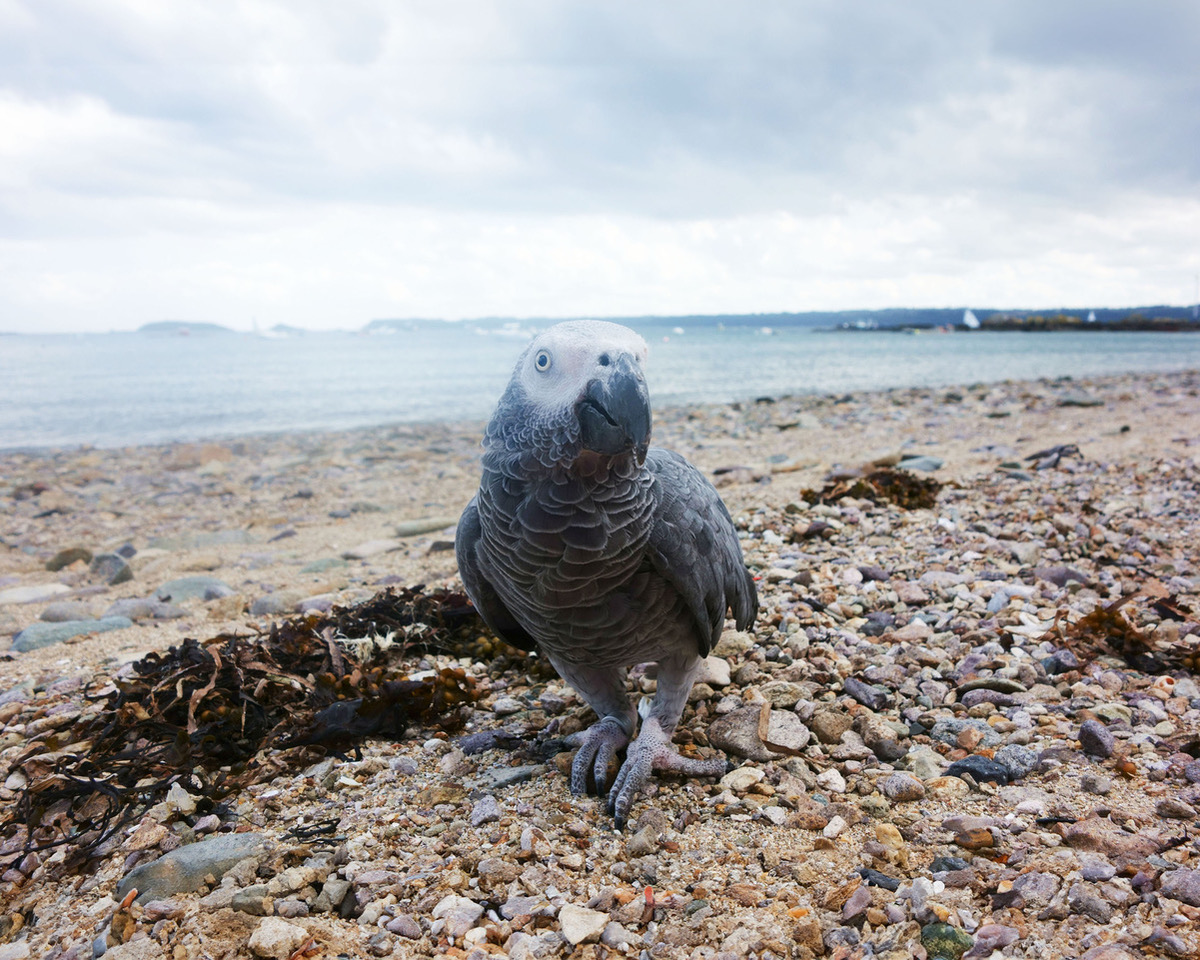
(570,557)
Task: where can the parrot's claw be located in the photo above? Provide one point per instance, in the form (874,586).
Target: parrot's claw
(652,751)
(598,745)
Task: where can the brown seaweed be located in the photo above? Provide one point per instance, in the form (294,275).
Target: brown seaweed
(1112,629)
(219,715)
(881,485)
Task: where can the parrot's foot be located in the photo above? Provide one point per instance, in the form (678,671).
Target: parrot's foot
(652,751)
(598,745)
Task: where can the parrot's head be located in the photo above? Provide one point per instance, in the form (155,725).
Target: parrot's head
(585,377)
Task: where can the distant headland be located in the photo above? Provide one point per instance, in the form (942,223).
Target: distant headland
(1162,319)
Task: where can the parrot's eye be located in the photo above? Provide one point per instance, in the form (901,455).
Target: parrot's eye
(542,361)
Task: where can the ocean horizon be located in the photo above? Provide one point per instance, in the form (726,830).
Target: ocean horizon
(124,389)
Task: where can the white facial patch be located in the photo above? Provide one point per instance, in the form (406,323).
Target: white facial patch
(557,365)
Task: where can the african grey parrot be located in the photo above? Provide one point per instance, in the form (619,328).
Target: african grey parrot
(598,550)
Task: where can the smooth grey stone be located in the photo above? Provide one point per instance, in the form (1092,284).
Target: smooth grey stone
(190,588)
(273,604)
(191,541)
(413,528)
(64,610)
(38,635)
(926,464)
(501,777)
(325,563)
(137,608)
(183,869)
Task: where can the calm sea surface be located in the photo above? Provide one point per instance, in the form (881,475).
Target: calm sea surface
(119,389)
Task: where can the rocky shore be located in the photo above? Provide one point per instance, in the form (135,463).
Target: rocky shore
(965,730)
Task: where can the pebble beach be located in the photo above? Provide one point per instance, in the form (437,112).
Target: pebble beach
(934,754)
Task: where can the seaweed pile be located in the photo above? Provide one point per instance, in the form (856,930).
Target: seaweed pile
(882,485)
(219,715)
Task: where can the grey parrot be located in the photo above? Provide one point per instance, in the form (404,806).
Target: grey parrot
(601,551)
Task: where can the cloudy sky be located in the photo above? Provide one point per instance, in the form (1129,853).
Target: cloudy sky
(323,164)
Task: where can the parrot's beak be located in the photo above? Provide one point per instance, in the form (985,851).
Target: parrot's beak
(614,412)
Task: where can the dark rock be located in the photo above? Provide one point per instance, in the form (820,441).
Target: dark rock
(485,740)
(994,697)
(947,864)
(943,940)
(876,879)
(112,568)
(1172,808)
(878,623)
(1060,661)
(870,696)
(1095,739)
(64,558)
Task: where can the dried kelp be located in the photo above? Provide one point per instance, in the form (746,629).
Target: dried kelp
(882,485)
(220,715)
(1112,629)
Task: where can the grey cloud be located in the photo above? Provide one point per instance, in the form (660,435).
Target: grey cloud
(670,110)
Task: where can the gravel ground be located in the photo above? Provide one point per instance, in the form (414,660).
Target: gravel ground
(941,749)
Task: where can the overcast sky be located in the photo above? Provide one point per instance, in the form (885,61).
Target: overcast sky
(322,164)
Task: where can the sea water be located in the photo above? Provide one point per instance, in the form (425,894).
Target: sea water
(119,389)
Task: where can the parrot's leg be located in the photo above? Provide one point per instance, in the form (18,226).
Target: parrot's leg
(652,750)
(604,690)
